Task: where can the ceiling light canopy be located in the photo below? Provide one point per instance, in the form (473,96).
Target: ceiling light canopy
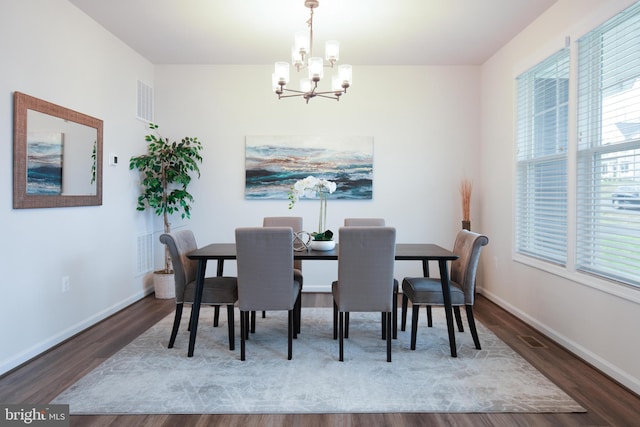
(303,59)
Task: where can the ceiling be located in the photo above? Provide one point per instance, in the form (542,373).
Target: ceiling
(371,32)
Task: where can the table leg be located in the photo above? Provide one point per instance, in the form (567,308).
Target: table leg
(425,268)
(444,278)
(220,269)
(195,308)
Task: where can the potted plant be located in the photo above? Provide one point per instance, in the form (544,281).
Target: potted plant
(321,188)
(166,171)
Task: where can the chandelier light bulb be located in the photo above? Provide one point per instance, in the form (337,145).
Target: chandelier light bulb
(301,44)
(345,73)
(336,85)
(332,51)
(281,73)
(296,59)
(305,85)
(316,68)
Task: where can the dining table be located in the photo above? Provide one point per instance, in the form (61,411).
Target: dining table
(423,252)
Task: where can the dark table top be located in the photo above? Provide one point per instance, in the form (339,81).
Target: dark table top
(404,251)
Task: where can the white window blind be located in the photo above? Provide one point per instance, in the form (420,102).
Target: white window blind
(608,194)
(541,187)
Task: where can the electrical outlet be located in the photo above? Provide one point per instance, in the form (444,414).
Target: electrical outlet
(66,285)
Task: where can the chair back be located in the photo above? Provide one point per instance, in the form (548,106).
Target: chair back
(363,222)
(265,268)
(463,270)
(365,268)
(180,243)
(294,222)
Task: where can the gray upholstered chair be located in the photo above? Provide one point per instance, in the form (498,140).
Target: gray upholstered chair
(364,222)
(366,259)
(295,222)
(216,291)
(369,222)
(265,276)
(428,291)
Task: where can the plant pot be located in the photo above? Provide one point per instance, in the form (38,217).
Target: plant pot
(164,285)
(322,245)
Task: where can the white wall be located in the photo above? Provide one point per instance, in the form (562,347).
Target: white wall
(596,319)
(52,51)
(424,122)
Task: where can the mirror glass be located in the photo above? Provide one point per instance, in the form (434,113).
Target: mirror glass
(57,155)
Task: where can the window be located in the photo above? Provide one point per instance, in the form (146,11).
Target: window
(541,187)
(608,193)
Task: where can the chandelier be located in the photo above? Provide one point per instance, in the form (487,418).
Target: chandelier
(303,59)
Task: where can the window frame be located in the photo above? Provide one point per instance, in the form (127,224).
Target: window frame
(537,203)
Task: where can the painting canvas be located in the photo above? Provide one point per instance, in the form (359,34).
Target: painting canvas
(44,162)
(275,163)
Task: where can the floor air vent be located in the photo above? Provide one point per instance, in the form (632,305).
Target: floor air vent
(531,341)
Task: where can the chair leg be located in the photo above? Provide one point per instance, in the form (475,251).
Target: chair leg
(389,337)
(190,319)
(346,324)
(405,303)
(176,325)
(247,326)
(472,326)
(394,311)
(230,321)
(414,325)
(253,322)
(264,314)
(290,333)
(456,312)
(341,334)
(216,315)
(297,315)
(244,317)
(383,322)
(335,320)
(429,317)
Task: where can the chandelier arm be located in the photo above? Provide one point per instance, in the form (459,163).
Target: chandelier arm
(337,98)
(294,91)
(329,91)
(290,96)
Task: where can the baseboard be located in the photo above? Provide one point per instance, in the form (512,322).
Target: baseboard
(64,335)
(612,371)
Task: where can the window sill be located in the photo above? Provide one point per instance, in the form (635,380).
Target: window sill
(611,287)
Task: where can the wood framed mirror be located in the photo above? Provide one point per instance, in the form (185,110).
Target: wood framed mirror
(57,155)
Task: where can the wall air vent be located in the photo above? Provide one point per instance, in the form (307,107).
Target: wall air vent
(145,254)
(145,102)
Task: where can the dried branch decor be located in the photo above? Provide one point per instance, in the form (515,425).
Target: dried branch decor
(466,186)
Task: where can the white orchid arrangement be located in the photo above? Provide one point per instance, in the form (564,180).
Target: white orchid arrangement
(312,187)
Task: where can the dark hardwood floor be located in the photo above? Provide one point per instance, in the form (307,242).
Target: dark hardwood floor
(40,380)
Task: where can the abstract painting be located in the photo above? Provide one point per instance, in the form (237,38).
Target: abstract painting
(44,162)
(274,163)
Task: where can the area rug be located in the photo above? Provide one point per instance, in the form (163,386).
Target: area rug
(146,377)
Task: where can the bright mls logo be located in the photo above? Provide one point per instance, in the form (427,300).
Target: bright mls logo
(34,415)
